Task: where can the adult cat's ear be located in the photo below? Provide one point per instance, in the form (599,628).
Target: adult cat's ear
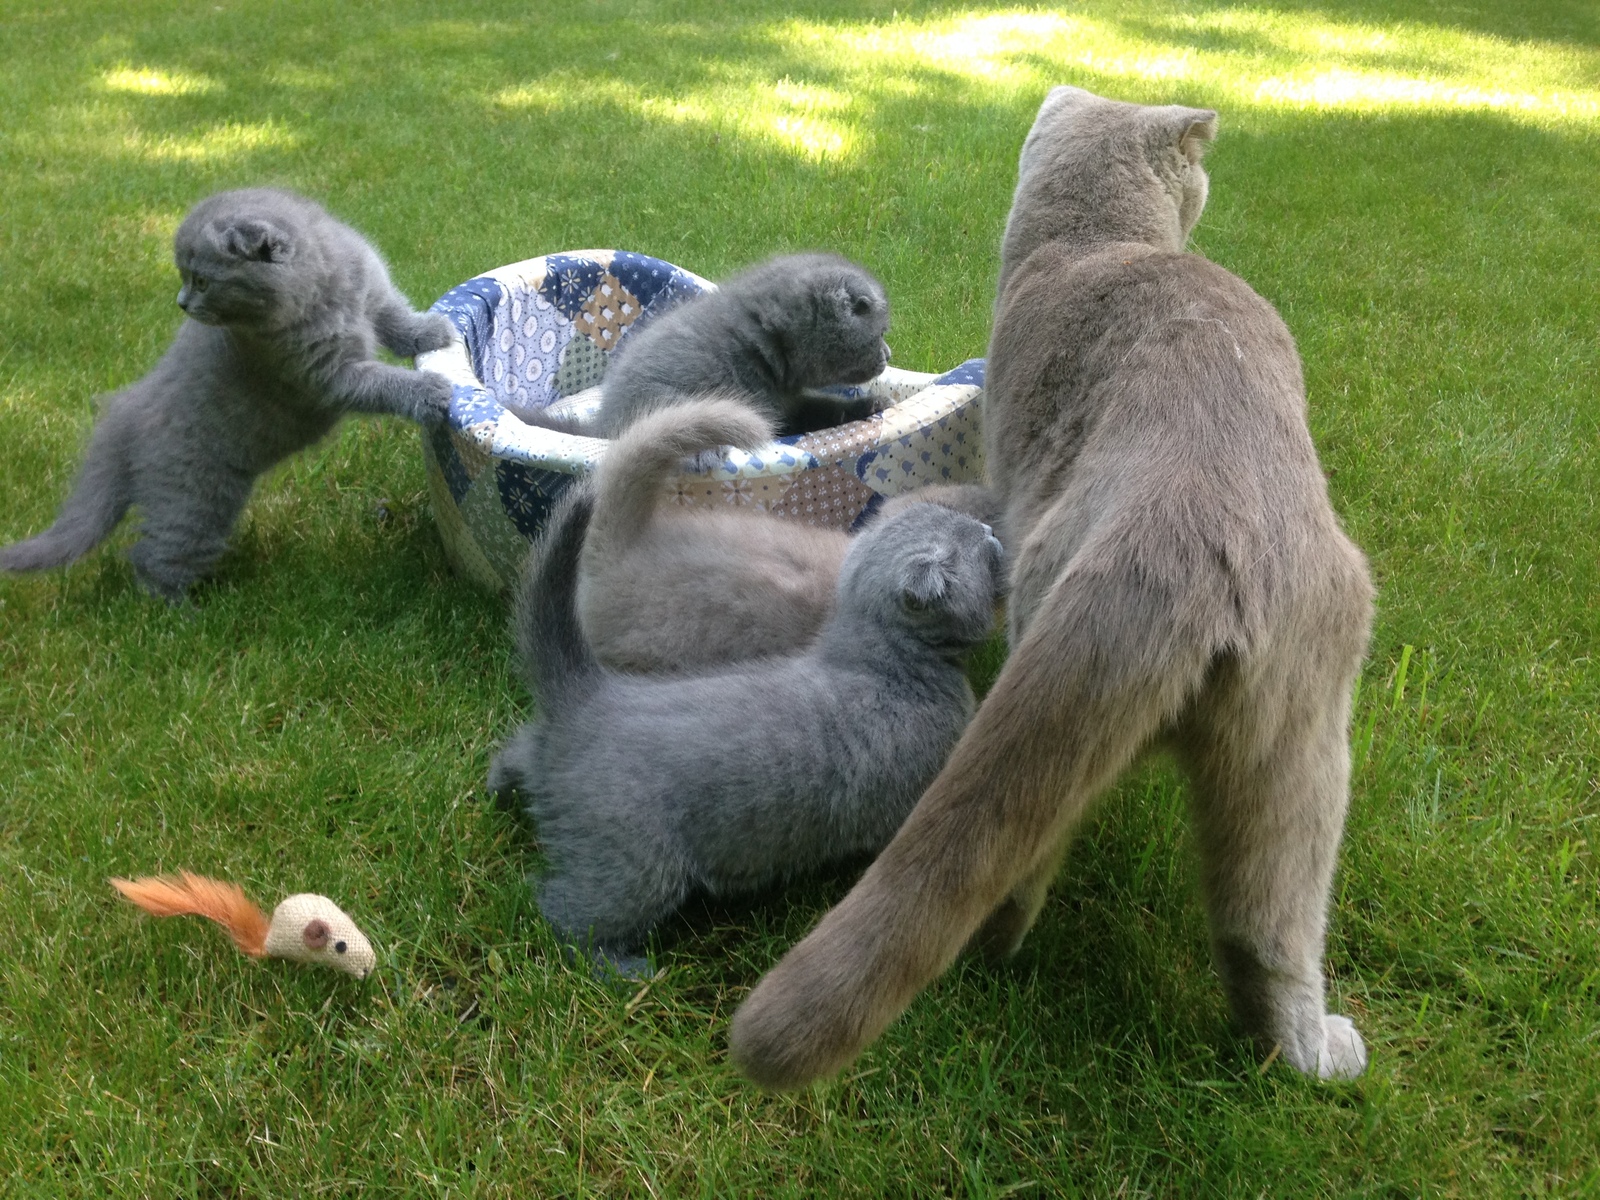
(924,582)
(1193,129)
(257,241)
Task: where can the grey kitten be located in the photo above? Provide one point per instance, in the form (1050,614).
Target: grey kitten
(1180,580)
(286,307)
(663,587)
(646,788)
(791,323)
(668,588)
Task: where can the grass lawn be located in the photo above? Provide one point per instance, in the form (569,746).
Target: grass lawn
(1412,184)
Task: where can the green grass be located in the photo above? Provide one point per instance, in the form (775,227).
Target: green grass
(1412,184)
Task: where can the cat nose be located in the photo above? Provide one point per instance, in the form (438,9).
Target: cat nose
(183,299)
(888,351)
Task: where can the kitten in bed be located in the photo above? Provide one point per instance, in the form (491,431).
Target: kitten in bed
(285,309)
(645,789)
(668,588)
(791,323)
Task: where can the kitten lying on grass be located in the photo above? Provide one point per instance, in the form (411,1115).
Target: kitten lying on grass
(669,588)
(646,789)
(285,307)
(791,323)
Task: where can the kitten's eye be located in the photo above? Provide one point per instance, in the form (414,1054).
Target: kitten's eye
(340,947)
(862,306)
(198,282)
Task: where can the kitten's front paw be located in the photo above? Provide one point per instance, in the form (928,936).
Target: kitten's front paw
(433,398)
(433,331)
(703,462)
(1343,1055)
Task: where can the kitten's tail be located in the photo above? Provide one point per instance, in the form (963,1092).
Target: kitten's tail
(99,499)
(1095,677)
(643,455)
(555,654)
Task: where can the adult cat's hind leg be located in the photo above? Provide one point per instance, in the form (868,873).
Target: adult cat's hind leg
(409,333)
(1269,757)
(1002,933)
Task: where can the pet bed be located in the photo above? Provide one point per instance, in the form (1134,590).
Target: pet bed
(538,333)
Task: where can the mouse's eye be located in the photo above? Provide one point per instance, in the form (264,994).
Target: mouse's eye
(340,947)
(862,306)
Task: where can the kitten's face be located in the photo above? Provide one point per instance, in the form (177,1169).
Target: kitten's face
(845,339)
(930,570)
(234,266)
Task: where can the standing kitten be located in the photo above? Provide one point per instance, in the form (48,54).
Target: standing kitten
(1179,579)
(646,789)
(767,334)
(286,307)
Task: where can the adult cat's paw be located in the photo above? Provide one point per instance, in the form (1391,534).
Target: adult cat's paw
(433,398)
(1343,1054)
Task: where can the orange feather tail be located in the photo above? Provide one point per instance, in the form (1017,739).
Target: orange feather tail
(184,894)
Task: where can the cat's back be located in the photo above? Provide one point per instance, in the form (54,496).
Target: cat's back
(1132,346)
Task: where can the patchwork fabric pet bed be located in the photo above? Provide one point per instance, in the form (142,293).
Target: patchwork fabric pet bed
(538,333)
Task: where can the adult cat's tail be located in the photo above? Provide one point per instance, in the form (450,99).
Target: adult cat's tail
(554,652)
(643,455)
(100,498)
(1098,673)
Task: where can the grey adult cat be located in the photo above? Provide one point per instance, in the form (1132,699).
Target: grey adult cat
(791,323)
(663,587)
(1179,579)
(645,789)
(285,309)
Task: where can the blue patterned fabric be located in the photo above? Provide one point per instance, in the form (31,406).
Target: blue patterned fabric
(541,331)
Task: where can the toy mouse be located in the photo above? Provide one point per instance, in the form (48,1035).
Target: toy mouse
(304,928)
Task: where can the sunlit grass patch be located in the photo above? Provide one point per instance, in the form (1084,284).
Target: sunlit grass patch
(809,121)
(148,81)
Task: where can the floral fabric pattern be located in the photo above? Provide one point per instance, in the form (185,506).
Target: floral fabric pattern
(541,331)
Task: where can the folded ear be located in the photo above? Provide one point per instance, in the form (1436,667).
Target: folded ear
(1194,129)
(923,582)
(257,241)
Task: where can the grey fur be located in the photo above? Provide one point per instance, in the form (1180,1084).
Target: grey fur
(791,323)
(1179,579)
(664,588)
(647,788)
(285,307)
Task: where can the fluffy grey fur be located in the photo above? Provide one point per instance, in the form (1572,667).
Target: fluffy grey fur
(1179,579)
(645,789)
(664,588)
(791,323)
(285,308)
